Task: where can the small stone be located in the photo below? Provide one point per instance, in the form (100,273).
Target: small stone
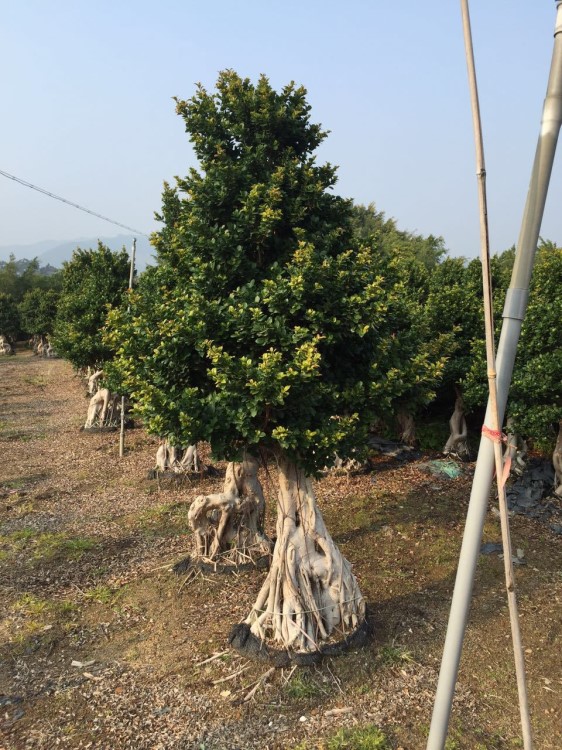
(303,719)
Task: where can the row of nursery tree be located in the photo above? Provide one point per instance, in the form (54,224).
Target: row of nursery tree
(283,322)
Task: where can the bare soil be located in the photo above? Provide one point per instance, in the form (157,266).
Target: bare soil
(102,646)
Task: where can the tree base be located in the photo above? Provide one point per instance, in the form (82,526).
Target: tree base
(129,425)
(246,643)
(188,563)
(104,428)
(205,471)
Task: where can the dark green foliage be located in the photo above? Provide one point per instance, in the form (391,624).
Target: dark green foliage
(93,282)
(535,399)
(454,304)
(265,323)
(38,310)
(9,317)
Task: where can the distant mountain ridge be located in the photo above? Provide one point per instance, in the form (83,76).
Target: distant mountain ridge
(56,252)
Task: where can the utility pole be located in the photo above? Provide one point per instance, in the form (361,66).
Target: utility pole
(513,315)
(131,275)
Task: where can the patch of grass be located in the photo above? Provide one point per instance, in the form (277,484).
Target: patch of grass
(392,655)
(103,594)
(38,381)
(368,737)
(52,546)
(36,622)
(21,535)
(302,687)
(168,519)
(46,545)
(28,604)
(15,484)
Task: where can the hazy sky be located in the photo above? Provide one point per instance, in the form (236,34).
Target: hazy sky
(86,107)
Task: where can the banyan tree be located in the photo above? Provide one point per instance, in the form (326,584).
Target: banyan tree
(267,330)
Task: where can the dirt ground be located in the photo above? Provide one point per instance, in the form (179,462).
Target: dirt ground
(102,646)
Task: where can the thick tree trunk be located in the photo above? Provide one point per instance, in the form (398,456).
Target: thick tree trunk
(103,409)
(457,442)
(407,427)
(557,461)
(310,591)
(228,526)
(50,350)
(5,346)
(42,346)
(93,382)
(170,458)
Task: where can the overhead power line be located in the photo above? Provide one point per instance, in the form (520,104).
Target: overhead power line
(70,203)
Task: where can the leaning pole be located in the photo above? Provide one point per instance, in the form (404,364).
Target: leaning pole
(122,430)
(513,314)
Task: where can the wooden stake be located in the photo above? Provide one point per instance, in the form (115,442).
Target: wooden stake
(494,431)
(122,432)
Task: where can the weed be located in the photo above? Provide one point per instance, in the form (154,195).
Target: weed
(28,604)
(103,594)
(302,686)
(392,655)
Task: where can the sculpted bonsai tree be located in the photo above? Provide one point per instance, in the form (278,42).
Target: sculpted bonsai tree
(38,310)
(265,329)
(93,282)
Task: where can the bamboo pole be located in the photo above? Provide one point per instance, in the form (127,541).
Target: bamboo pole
(495,432)
(122,432)
(513,314)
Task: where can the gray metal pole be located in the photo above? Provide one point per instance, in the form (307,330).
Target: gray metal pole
(514,312)
(122,432)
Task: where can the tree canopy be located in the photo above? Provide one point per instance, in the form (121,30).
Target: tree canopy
(20,276)
(93,281)
(38,310)
(265,323)
(372,225)
(535,397)
(9,317)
